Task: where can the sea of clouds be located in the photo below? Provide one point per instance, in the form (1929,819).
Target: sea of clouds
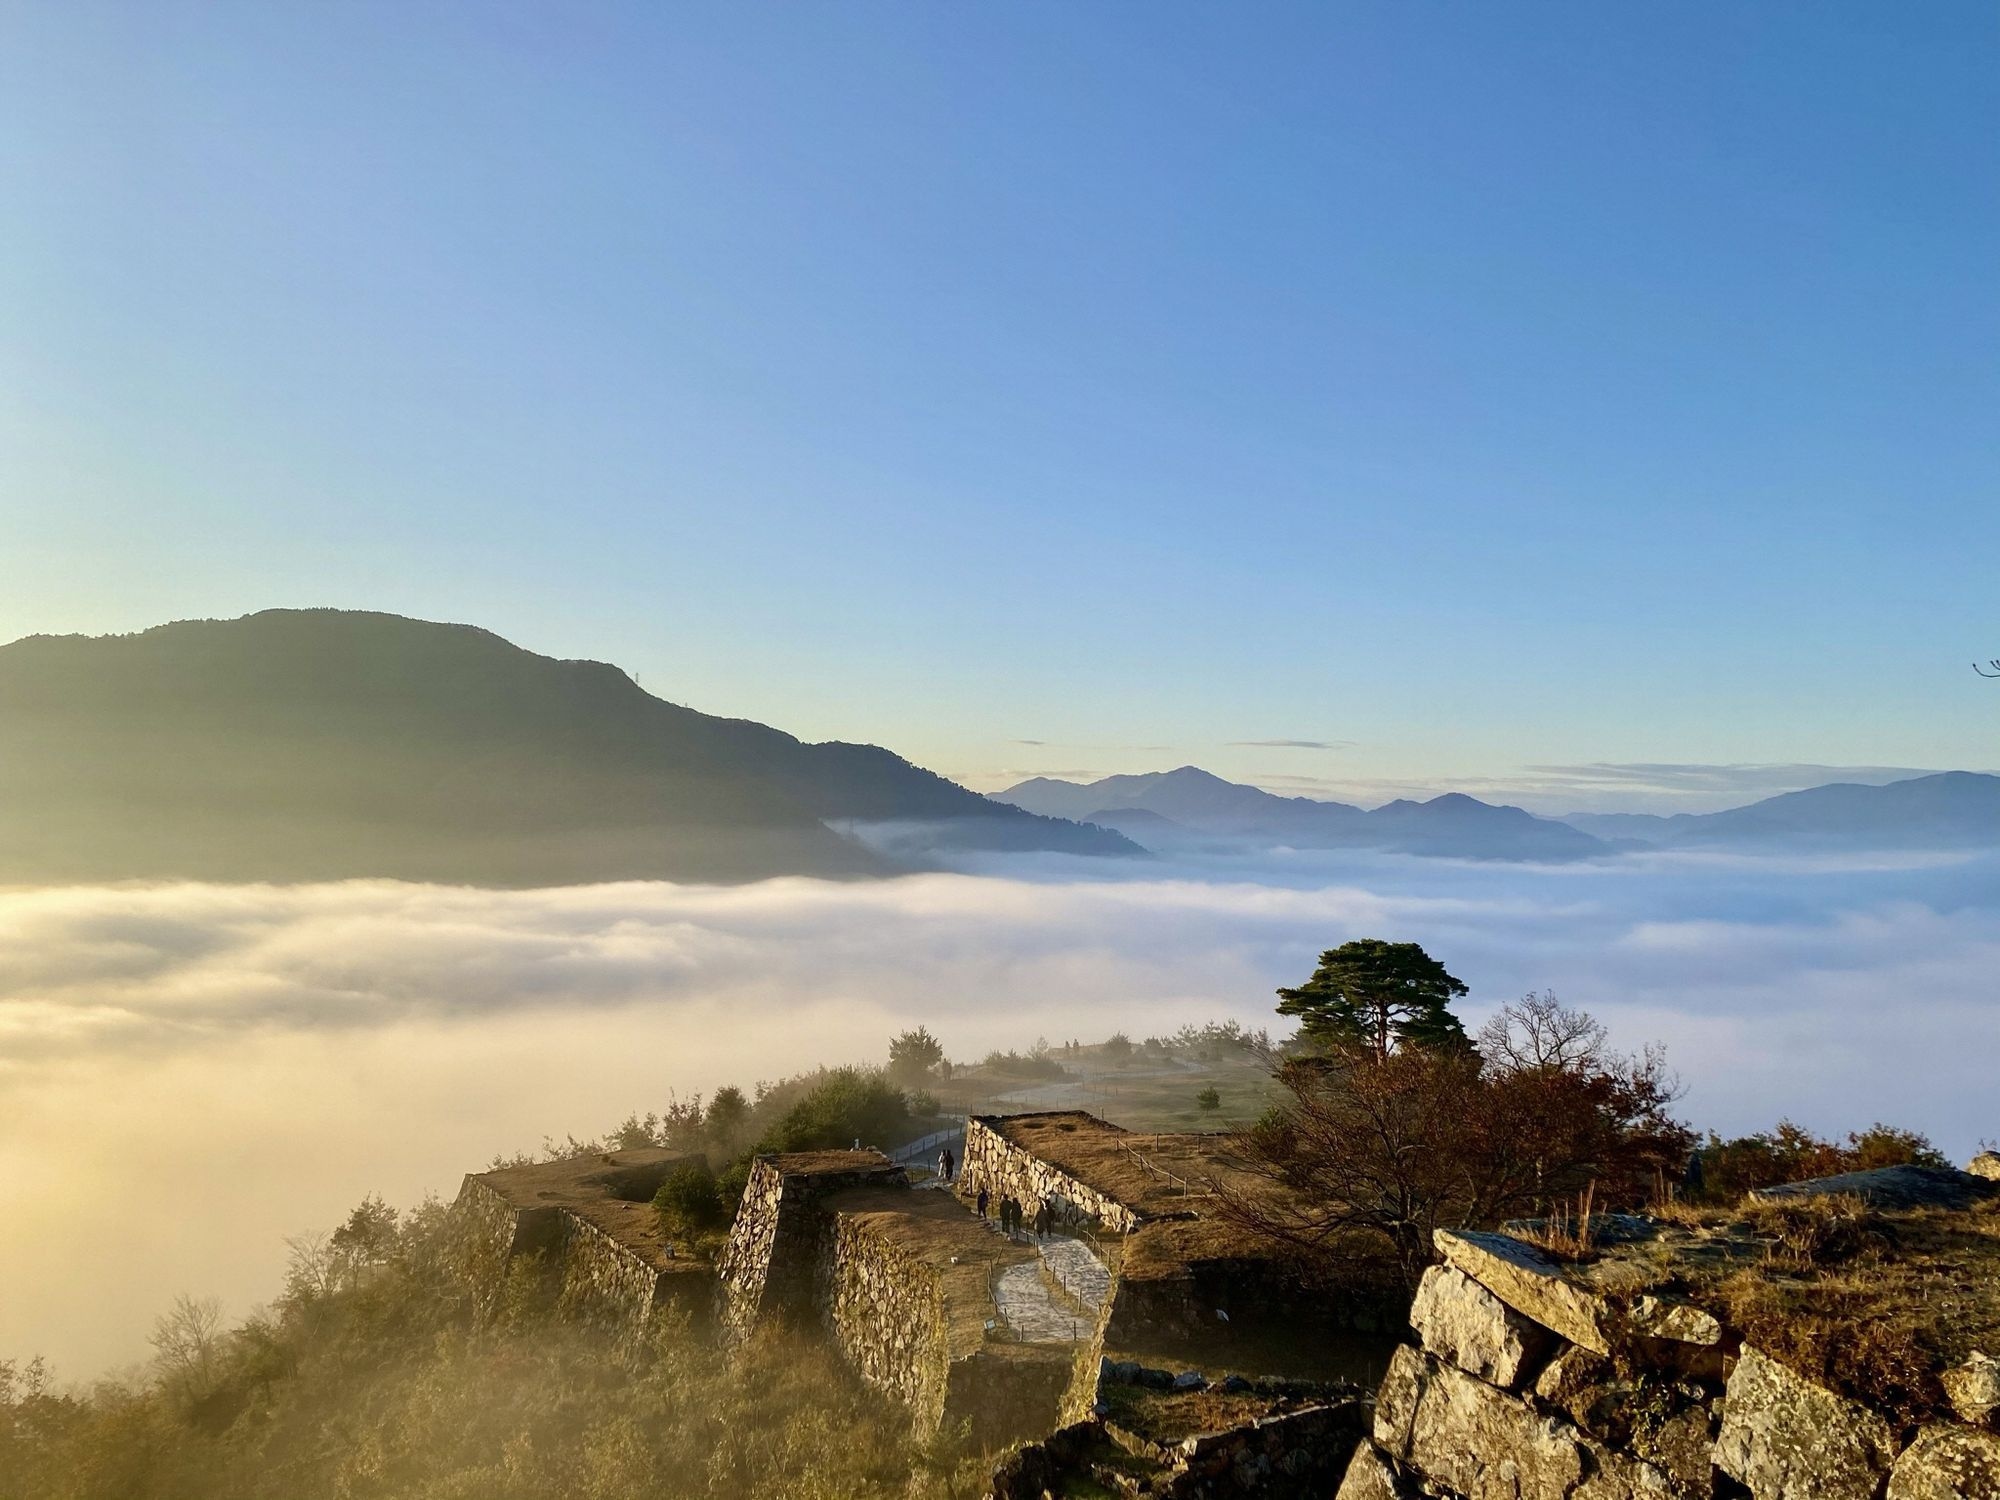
(190,1073)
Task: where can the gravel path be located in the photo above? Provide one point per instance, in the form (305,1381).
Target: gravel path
(1076,1266)
(1034,1310)
(1030,1307)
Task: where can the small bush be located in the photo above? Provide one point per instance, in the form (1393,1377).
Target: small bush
(1791,1153)
(1208,1099)
(688,1204)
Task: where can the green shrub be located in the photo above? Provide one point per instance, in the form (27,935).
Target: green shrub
(688,1203)
(1208,1098)
(846,1105)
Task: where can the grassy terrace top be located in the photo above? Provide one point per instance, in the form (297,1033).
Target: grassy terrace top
(1156,1176)
(938,1231)
(612,1191)
(833,1163)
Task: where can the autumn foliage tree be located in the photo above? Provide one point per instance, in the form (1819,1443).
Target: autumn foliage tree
(1372,1151)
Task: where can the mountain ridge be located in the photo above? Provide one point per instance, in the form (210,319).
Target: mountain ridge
(327,744)
(1940,810)
(1206,806)
(1946,809)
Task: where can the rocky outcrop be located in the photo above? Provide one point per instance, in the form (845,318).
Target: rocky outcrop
(1788,1439)
(1948,1463)
(1973,1388)
(1900,1187)
(1474,1440)
(1530,1282)
(1461,1322)
(1533,1378)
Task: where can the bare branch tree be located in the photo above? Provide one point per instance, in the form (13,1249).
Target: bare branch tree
(1539,1031)
(188,1341)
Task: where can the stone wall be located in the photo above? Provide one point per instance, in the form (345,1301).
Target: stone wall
(907,1300)
(605,1282)
(1003,1169)
(596,1278)
(886,1312)
(498,1232)
(1528,1381)
(817,1243)
(772,1268)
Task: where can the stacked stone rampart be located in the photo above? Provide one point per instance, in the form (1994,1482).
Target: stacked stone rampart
(605,1281)
(1004,1169)
(886,1311)
(908,1302)
(772,1269)
(594,1273)
(899,1280)
(1532,1379)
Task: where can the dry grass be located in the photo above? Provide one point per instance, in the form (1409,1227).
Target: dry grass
(1828,1231)
(1871,1305)
(1563,1236)
(1168,1416)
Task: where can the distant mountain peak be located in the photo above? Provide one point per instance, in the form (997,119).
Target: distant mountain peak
(303,744)
(1201,806)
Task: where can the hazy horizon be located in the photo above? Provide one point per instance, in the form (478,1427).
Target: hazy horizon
(192,1073)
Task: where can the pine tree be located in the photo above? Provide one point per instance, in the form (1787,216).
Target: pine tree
(1373,997)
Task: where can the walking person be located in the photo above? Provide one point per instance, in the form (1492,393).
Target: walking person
(1044,1221)
(981,1202)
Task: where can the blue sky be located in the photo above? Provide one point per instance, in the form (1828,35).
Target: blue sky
(1465,389)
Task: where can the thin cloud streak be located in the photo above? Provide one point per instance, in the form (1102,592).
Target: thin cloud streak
(1292,744)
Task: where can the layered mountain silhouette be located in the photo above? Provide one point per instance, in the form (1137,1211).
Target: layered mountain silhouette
(1950,810)
(322,744)
(1190,808)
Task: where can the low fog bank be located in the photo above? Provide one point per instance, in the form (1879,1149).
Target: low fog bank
(189,1073)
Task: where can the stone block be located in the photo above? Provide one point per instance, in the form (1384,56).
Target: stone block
(1456,1433)
(1787,1438)
(1371,1476)
(1974,1390)
(1667,1424)
(1464,1324)
(1531,1283)
(1948,1463)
